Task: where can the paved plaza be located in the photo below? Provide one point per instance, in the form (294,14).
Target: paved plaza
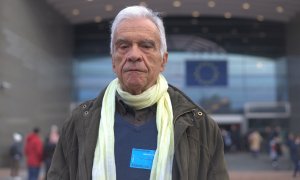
(241,166)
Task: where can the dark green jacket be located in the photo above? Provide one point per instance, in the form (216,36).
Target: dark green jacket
(198,143)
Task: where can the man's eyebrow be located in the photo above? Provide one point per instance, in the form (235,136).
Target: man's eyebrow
(143,41)
(148,41)
(118,41)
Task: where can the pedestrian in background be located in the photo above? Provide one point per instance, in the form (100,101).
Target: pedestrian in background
(226,135)
(16,155)
(290,144)
(49,147)
(236,138)
(275,151)
(34,154)
(295,155)
(255,141)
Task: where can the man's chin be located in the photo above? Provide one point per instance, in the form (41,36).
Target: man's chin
(134,88)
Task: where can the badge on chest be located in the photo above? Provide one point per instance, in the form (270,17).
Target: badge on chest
(142,158)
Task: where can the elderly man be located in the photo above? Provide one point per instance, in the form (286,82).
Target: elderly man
(139,127)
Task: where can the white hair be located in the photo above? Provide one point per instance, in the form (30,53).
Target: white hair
(132,12)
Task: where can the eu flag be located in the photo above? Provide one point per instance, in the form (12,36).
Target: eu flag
(206,73)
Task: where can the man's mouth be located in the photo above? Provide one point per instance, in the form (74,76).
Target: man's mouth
(134,70)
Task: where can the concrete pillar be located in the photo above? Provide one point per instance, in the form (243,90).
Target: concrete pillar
(293,72)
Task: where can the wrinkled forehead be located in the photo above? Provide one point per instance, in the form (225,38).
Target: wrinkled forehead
(138,28)
(140,23)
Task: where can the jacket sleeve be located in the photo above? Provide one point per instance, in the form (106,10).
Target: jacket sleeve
(59,169)
(217,168)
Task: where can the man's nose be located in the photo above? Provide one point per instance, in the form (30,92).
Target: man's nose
(134,54)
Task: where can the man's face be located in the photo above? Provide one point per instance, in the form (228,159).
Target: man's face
(136,56)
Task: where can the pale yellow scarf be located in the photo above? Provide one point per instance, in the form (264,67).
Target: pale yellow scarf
(104,167)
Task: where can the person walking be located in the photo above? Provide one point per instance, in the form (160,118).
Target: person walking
(34,154)
(295,155)
(255,141)
(49,147)
(139,127)
(16,155)
(275,151)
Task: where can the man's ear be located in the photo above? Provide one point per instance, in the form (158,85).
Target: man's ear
(113,64)
(164,61)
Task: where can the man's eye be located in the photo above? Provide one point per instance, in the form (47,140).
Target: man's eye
(124,46)
(147,46)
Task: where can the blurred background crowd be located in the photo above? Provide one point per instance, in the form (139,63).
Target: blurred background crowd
(35,150)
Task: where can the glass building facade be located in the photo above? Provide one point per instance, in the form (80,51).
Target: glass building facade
(248,79)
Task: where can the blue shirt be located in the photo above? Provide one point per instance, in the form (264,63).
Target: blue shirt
(127,137)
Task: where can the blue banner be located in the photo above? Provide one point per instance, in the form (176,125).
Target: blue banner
(206,73)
